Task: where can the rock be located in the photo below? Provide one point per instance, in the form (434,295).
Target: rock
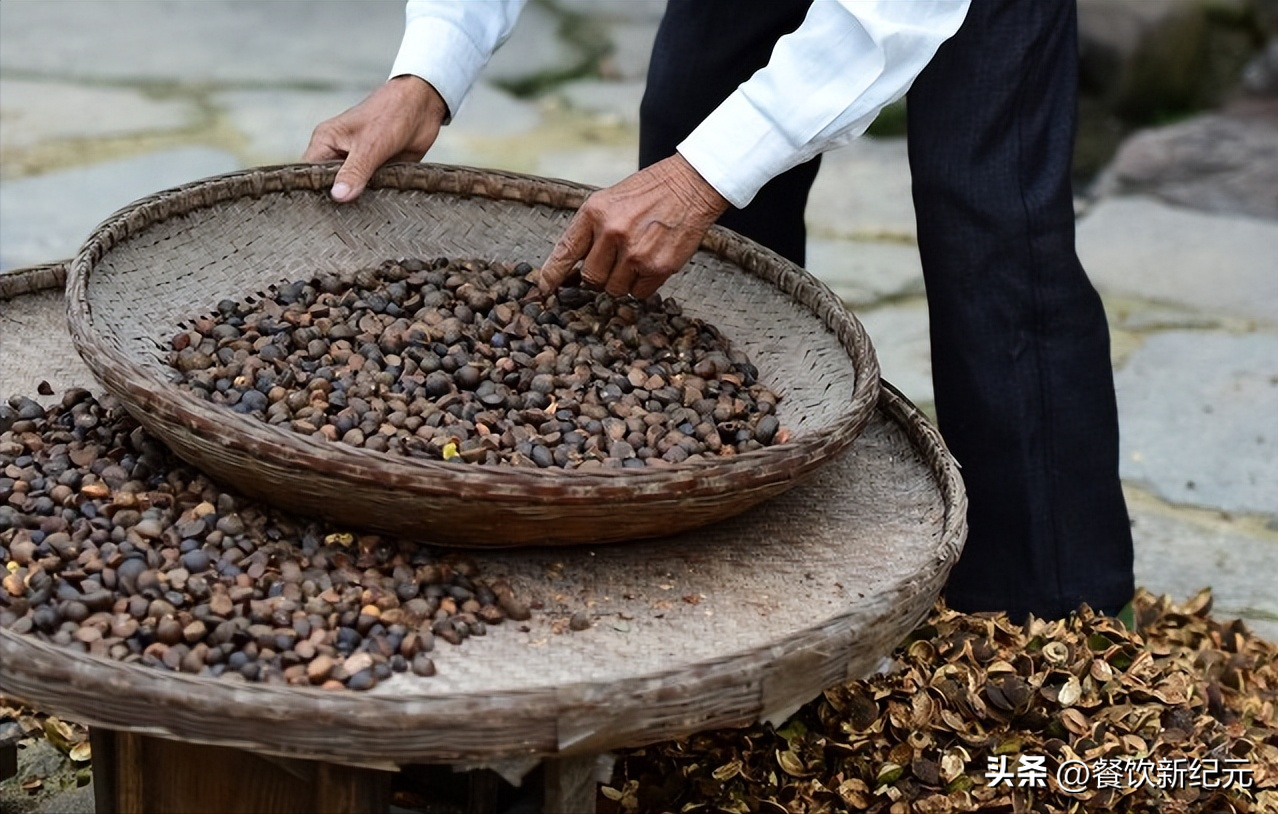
(39,758)
(602,165)
(863,272)
(276,124)
(1145,59)
(539,49)
(863,193)
(50,111)
(189,45)
(319,669)
(900,332)
(1224,162)
(615,101)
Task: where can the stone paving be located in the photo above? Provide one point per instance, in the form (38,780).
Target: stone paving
(102,103)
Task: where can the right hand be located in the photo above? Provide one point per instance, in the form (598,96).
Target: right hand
(397,122)
(630,237)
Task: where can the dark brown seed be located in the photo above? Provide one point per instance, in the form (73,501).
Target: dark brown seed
(512,607)
(127,574)
(168,631)
(422,665)
(446,630)
(194,632)
(75,611)
(766,430)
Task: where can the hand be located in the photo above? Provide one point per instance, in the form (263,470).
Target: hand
(397,122)
(633,235)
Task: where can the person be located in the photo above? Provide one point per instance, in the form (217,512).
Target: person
(742,98)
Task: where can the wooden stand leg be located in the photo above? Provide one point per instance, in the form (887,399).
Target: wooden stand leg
(350,790)
(8,760)
(8,750)
(570,784)
(482,792)
(114,791)
(139,774)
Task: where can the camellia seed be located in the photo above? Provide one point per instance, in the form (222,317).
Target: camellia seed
(212,584)
(459,350)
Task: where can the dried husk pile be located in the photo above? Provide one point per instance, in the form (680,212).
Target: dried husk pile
(968,687)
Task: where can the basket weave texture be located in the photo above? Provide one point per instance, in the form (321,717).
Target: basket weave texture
(152,267)
(36,347)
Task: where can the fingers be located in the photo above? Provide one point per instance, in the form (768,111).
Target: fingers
(621,281)
(571,248)
(600,266)
(599,260)
(398,121)
(320,149)
(645,287)
(331,142)
(353,177)
(361,160)
(631,237)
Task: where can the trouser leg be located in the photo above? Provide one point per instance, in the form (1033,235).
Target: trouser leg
(1020,345)
(703,50)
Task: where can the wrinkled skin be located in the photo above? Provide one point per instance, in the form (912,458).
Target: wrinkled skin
(630,237)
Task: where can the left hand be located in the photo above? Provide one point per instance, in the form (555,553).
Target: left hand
(630,237)
(397,122)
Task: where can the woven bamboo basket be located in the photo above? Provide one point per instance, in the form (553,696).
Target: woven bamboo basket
(150,268)
(791,597)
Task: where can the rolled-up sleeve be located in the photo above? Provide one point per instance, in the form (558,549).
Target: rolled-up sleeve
(824,85)
(448,42)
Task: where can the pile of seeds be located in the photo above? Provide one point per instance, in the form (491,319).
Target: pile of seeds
(113,546)
(466,360)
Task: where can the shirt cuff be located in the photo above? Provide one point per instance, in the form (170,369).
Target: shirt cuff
(441,53)
(737,149)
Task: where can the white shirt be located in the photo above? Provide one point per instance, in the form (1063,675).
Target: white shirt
(823,86)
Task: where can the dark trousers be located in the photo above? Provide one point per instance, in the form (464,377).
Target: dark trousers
(1020,346)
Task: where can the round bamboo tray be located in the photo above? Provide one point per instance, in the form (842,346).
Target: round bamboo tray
(33,316)
(153,266)
(745,620)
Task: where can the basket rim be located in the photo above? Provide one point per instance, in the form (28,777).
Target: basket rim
(30,279)
(159,399)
